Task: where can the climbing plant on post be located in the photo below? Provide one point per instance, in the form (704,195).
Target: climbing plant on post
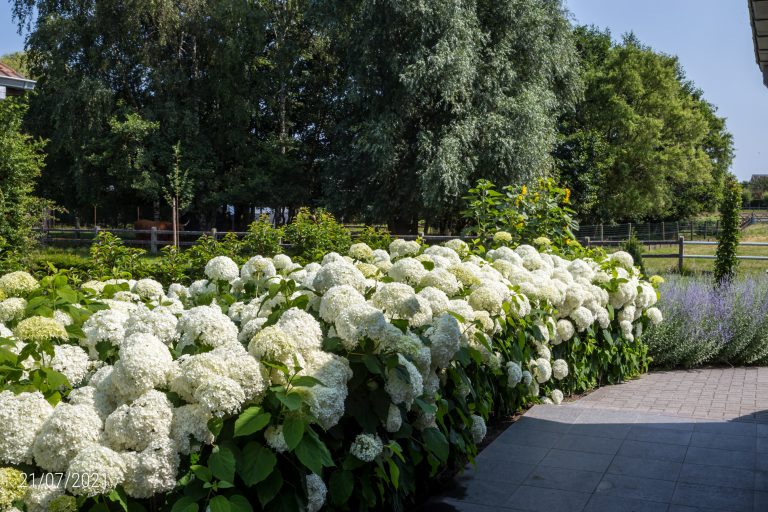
(728,243)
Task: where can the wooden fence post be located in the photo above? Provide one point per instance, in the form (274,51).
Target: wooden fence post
(705,229)
(588,243)
(601,232)
(213,234)
(629,230)
(663,232)
(153,241)
(691,230)
(680,253)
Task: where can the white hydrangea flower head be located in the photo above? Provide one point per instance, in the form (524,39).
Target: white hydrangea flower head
(646,297)
(563,332)
(303,330)
(62,317)
(220,396)
(401,248)
(337,299)
(359,321)
(152,471)
(95,470)
(478,429)
(91,396)
(443,252)
(438,300)
(407,270)
(72,361)
(159,321)
(23,415)
(107,325)
(582,318)
(654,315)
(316,492)
(362,252)
(543,351)
(394,419)
(243,368)
(178,291)
(148,289)
(190,421)
(366,447)
(527,377)
(514,374)
(206,326)
(5,332)
(623,258)
(338,273)
(559,369)
(135,426)
(66,431)
(627,330)
(398,300)
(542,370)
(445,336)
(441,279)
(557,396)
(400,390)
(282,262)
(40,328)
(627,313)
(16,284)
(222,268)
(275,438)
(40,494)
(144,364)
(458,245)
(258,268)
(326,401)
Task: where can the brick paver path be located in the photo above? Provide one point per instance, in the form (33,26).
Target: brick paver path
(679,441)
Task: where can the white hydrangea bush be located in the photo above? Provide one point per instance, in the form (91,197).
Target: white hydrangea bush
(369,346)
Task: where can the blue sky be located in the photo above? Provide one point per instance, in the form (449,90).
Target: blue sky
(712,38)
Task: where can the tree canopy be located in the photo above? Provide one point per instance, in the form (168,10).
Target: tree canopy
(643,143)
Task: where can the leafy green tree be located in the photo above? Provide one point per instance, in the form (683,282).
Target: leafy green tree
(17,60)
(439,94)
(728,242)
(21,159)
(643,143)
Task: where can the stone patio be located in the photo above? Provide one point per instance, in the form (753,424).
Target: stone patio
(679,441)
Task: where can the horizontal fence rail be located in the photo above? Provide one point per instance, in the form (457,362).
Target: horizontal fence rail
(681,255)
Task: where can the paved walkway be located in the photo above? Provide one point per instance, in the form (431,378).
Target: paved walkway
(679,441)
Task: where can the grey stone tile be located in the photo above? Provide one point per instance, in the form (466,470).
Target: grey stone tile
(761,481)
(634,487)
(653,451)
(590,444)
(666,422)
(541,499)
(449,505)
(529,437)
(645,468)
(510,472)
(731,428)
(554,413)
(708,496)
(564,479)
(723,441)
(613,431)
(761,501)
(715,457)
(686,508)
(717,475)
(659,435)
(541,424)
(479,491)
(608,416)
(577,460)
(605,503)
(498,450)
(762,430)
(762,445)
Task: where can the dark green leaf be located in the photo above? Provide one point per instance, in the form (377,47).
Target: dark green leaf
(293,431)
(341,485)
(222,464)
(256,464)
(219,504)
(251,420)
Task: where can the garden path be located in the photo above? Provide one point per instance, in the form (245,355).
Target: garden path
(677,441)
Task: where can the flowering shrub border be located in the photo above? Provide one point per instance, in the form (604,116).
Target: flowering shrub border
(349,383)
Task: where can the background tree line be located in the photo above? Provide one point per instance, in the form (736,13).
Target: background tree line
(383,111)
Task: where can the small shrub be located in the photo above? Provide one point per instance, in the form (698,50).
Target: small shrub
(635,248)
(112,259)
(263,238)
(314,234)
(374,237)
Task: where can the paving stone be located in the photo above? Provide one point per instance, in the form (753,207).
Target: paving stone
(540,499)
(659,435)
(724,441)
(653,451)
(577,460)
(564,479)
(645,468)
(589,444)
(480,491)
(717,475)
(499,450)
(715,457)
(634,487)
(727,427)
(709,496)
